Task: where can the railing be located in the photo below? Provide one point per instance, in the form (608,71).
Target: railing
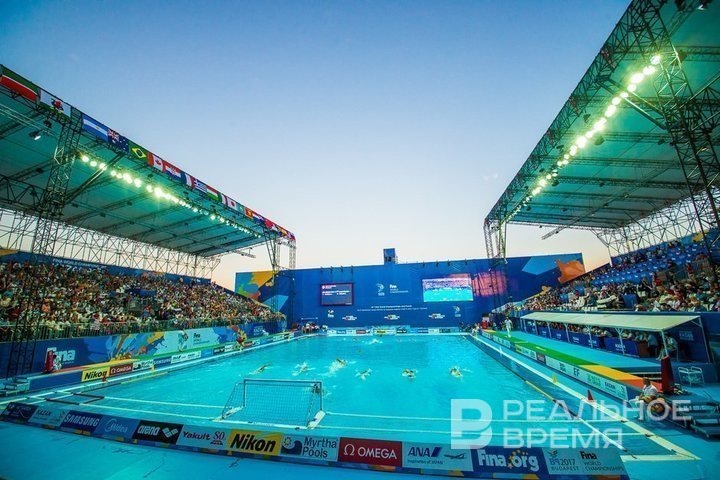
(44,331)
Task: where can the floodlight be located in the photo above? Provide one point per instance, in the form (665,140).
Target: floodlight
(36,135)
(655,60)
(637,78)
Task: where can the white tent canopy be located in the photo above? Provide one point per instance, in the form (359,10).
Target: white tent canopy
(622,321)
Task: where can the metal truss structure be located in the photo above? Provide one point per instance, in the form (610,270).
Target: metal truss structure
(659,178)
(62,197)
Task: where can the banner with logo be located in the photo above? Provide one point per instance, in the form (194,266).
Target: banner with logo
(117,427)
(314,448)
(48,416)
(81,421)
(157,432)
(410,457)
(432,456)
(254,441)
(386,453)
(203,437)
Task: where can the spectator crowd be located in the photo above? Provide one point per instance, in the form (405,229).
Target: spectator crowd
(671,277)
(81,301)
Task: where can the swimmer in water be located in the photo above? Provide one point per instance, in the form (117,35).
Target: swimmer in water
(341,361)
(302,368)
(364,374)
(455,372)
(408,373)
(261,369)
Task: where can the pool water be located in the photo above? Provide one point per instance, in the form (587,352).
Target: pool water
(365,393)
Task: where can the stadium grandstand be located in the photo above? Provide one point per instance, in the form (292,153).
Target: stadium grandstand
(99,234)
(632,154)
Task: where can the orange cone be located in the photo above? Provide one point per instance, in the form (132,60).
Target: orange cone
(590,397)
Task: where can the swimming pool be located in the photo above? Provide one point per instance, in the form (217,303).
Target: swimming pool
(367,390)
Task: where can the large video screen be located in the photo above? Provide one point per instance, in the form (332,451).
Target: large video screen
(336,294)
(447,289)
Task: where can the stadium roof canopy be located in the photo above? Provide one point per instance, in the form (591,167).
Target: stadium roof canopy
(628,321)
(116,187)
(608,159)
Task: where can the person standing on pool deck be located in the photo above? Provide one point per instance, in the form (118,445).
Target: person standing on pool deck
(508,327)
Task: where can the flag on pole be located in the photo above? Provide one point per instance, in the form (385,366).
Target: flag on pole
(95,127)
(117,140)
(229,202)
(198,185)
(54,103)
(155,161)
(212,193)
(18,84)
(136,151)
(172,171)
(189,179)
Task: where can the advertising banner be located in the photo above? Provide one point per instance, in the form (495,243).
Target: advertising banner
(251,441)
(432,456)
(90,374)
(19,411)
(85,421)
(45,415)
(122,427)
(613,388)
(598,461)
(501,461)
(157,432)
(372,452)
(315,448)
(203,437)
(120,369)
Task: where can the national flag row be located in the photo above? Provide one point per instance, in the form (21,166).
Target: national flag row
(34,93)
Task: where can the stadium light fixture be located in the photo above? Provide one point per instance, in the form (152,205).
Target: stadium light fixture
(36,135)
(581,142)
(655,60)
(113,173)
(102,166)
(610,111)
(195,209)
(542,182)
(615,101)
(149,188)
(85,158)
(93,163)
(573,150)
(159,192)
(137,182)
(624,94)
(632,87)
(212,216)
(649,70)
(637,78)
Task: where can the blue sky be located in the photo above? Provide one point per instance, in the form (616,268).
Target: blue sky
(356,125)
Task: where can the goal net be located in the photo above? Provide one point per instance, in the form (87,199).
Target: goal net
(296,403)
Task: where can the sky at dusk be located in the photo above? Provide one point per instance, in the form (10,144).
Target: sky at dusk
(356,125)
